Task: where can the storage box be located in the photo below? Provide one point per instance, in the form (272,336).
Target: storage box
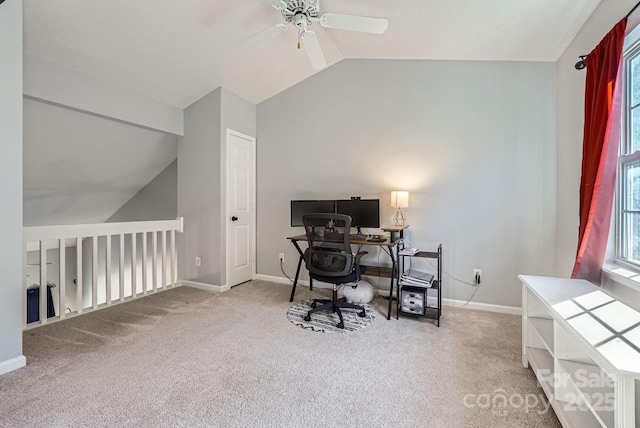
(33,303)
(413,300)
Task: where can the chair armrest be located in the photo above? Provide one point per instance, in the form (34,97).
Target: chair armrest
(358,256)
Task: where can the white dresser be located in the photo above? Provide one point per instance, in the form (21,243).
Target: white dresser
(584,347)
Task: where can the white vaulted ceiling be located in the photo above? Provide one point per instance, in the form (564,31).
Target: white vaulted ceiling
(176,51)
(81,168)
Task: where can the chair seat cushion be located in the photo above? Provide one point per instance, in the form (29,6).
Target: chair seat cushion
(353,277)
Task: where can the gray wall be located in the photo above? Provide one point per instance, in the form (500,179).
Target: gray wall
(202,181)
(11,263)
(158,200)
(473,142)
(240,115)
(237,114)
(199,191)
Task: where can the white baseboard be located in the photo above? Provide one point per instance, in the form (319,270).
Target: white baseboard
(204,286)
(285,281)
(487,307)
(12,364)
(279,280)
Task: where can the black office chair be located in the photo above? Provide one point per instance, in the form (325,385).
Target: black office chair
(329,259)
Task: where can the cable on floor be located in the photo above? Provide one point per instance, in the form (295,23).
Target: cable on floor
(475,286)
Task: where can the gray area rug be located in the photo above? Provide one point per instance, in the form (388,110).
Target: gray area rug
(325,321)
(192,358)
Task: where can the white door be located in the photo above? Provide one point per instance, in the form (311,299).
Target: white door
(241,207)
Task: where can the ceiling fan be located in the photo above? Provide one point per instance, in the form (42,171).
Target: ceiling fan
(302,14)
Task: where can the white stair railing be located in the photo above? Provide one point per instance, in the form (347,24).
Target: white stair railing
(104,272)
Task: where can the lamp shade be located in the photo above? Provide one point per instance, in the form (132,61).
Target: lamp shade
(399,199)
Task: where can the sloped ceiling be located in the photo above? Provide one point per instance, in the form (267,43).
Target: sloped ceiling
(177,51)
(80,168)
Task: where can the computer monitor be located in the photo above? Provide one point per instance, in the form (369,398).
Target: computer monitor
(363,212)
(299,208)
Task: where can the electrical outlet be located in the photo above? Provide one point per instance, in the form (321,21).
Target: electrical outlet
(198,261)
(281,257)
(477,276)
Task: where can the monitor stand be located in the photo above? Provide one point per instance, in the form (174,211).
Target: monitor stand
(358,234)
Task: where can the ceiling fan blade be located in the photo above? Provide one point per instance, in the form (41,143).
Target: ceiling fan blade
(314,52)
(354,23)
(262,36)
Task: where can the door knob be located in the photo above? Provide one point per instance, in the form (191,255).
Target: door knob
(234,218)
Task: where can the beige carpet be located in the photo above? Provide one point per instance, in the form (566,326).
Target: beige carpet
(191,358)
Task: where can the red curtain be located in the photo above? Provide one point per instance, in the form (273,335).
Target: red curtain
(599,152)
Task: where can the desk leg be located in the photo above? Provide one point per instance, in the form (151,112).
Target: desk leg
(390,297)
(400,272)
(295,281)
(394,275)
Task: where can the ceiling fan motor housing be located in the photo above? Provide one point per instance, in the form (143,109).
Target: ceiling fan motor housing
(293,8)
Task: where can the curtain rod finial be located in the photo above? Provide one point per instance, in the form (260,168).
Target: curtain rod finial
(580,65)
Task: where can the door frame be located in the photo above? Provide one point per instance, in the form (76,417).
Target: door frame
(252,221)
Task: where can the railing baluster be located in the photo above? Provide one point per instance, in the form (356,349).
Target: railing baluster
(25,285)
(79,302)
(43,283)
(134,265)
(94,274)
(174,259)
(164,258)
(62,296)
(163,273)
(107,270)
(121,267)
(154,260)
(144,263)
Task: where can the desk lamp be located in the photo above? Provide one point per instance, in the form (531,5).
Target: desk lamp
(399,200)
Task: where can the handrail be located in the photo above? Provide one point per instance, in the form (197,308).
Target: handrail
(45,233)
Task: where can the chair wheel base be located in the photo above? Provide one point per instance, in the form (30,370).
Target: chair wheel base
(307,318)
(362,314)
(340,325)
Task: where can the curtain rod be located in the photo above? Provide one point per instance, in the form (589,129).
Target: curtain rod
(581,64)
(632,10)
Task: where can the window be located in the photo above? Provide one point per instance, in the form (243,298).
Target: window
(628,209)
